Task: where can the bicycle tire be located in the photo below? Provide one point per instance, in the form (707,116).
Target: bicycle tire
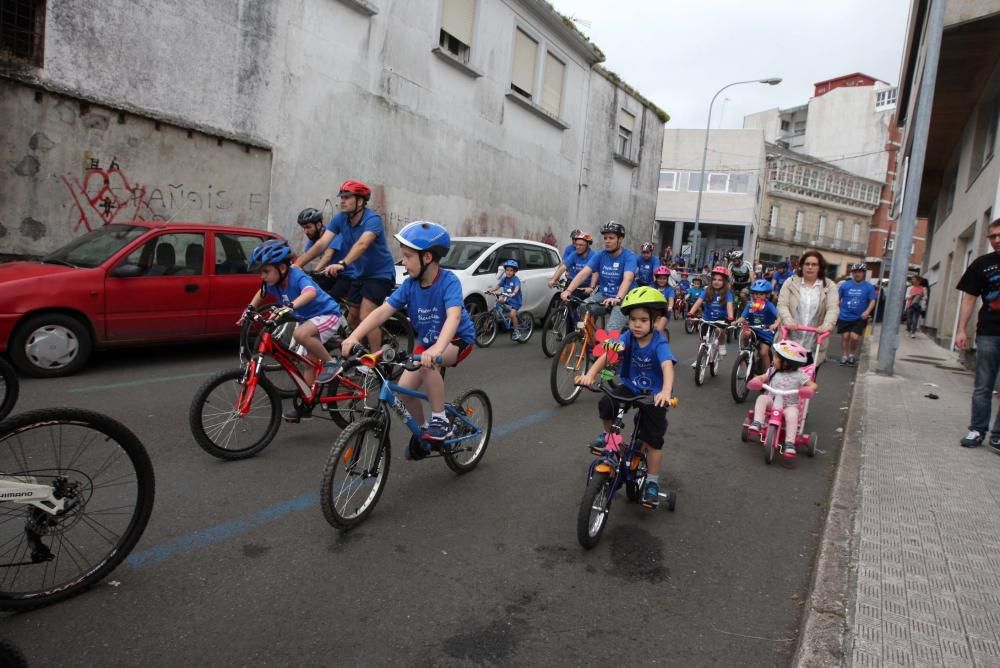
(486,329)
(344,415)
(103,483)
(463,405)
(700,367)
(353,449)
(554,330)
(209,439)
(690,326)
(738,385)
(570,362)
(11,655)
(10,388)
(770,443)
(591,518)
(713,364)
(526,327)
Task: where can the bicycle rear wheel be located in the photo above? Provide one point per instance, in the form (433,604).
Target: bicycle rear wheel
(9,388)
(215,419)
(355,473)
(475,413)
(102,473)
(570,362)
(525,327)
(554,330)
(343,413)
(594,508)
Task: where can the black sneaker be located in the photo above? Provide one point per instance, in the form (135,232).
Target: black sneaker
(298,415)
(972,440)
(651,496)
(995,443)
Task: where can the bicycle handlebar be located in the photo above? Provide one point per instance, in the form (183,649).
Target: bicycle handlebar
(646,398)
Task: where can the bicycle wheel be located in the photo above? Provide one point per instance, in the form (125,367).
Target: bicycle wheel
(10,387)
(554,330)
(700,366)
(570,362)
(275,372)
(476,413)
(355,473)
(526,327)
(594,507)
(486,329)
(690,326)
(770,443)
(740,376)
(101,472)
(713,364)
(343,413)
(216,422)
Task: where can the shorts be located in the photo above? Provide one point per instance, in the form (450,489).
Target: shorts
(326,324)
(464,350)
(338,287)
(652,425)
(374,290)
(852,326)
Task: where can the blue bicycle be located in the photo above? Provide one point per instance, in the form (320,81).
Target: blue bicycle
(489,322)
(355,473)
(613,469)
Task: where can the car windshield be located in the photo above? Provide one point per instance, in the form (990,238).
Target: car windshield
(464,253)
(94,248)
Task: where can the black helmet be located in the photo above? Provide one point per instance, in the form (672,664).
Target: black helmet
(611,227)
(860,266)
(310,215)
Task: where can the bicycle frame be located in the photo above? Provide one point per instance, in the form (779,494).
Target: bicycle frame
(30,493)
(622,471)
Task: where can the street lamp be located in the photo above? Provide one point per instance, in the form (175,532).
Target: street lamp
(696,235)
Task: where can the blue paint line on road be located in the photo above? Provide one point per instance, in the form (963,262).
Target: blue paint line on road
(232,528)
(145,381)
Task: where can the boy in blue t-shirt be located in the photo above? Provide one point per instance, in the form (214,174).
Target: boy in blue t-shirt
(646,366)
(761,314)
(684,284)
(696,291)
(509,288)
(646,265)
(316,312)
(432,297)
(857,301)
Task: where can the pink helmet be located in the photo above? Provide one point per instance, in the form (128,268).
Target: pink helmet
(791,351)
(662,270)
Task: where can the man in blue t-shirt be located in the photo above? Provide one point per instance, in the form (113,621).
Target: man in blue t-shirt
(646,265)
(781,274)
(574,260)
(615,267)
(857,301)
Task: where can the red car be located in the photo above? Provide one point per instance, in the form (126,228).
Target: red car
(125,284)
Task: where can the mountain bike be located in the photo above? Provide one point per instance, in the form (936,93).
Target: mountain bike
(619,466)
(77,489)
(556,326)
(236,413)
(747,362)
(680,307)
(355,473)
(490,321)
(708,349)
(10,387)
(574,355)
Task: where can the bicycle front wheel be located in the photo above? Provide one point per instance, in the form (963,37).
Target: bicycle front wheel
(690,326)
(10,387)
(569,362)
(554,330)
(474,415)
(740,376)
(102,474)
(701,363)
(221,428)
(594,508)
(355,473)
(486,329)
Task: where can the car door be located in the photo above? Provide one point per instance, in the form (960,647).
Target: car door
(232,284)
(536,266)
(158,291)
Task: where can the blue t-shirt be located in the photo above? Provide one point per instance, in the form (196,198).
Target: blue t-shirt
(377,261)
(854,299)
(296,283)
(765,316)
(640,367)
(612,269)
(694,294)
(715,308)
(644,269)
(427,308)
(779,278)
(575,262)
(668,293)
(683,286)
(508,286)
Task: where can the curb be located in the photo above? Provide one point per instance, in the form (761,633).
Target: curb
(822,642)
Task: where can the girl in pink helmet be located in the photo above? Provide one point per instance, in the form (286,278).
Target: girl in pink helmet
(786,374)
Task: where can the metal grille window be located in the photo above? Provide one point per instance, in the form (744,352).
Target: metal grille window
(22,30)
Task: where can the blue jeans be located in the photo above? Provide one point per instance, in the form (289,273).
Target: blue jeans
(987,366)
(912,319)
(616,319)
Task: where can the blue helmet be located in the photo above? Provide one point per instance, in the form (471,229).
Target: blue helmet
(422,235)
(272,251)
(510,263)
(760,285)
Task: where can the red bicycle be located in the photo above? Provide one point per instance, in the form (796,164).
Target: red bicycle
(236,413)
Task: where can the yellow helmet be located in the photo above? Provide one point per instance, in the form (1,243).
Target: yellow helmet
(646,297)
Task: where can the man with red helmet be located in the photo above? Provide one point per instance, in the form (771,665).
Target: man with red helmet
(368,261)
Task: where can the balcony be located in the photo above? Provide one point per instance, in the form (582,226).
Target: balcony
(806,240)
(842,245)
(769,232)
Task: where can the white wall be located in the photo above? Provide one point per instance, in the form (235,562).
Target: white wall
(843,122)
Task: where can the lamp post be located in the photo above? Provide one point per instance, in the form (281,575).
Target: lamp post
(696,235)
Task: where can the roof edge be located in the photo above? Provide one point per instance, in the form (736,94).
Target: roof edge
(618,81)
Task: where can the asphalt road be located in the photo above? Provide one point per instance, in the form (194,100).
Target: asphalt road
(239,567)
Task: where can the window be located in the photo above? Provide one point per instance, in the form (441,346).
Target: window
(170,255)
(784,126)
(232,251)
(800,127)
(856,232)
(889,244)
(532,257)
(552,84)
(885,99)
(22,30)
(668,180)
(949,194)
(522,79)
(821,230)
(739,183)
(626,125)
(800,217)
(694,182)
(985,139)
(718,183)
(838,229)
(456,27)
(773,221)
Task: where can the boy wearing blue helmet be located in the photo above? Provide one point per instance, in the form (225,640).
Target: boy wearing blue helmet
(316,312)
(762,315)
(432,297)
(510,293)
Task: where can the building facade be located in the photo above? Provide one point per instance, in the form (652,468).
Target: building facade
(489,116)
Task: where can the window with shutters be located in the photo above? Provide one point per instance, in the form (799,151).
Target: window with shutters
(626,126)
(522,78)
(22,31)
(456,27)
(552,84)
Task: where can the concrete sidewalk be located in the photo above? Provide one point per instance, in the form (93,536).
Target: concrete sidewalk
(909,568)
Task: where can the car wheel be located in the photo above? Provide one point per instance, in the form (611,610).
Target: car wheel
(50,345)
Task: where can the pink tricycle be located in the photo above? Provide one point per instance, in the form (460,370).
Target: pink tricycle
(772,433)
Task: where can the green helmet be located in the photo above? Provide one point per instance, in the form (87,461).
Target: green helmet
(646,297)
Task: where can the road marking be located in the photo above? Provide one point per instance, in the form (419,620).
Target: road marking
(133,383)
(241,525)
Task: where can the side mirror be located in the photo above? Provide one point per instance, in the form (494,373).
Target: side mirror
(127,271)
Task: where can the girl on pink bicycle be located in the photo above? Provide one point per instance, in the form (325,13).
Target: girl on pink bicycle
(787,374)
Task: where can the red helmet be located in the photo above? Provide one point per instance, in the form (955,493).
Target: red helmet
(585,237)
(355,188)
(722,271)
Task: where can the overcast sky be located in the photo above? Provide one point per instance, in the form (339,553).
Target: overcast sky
(678,54)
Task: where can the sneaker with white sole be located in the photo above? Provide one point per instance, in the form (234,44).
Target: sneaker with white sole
(723,351)
(329,372)
(788,450)
(972,440)
(843,361)
(439,429)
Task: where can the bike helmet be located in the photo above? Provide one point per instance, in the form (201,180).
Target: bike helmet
(645,297)
(722,271)
(510,263)
(272,251)
(611,227)
(861,266)
(760,286)
(735,255)
(423,235)
(310,216)
(585,237)
(575,233)
(662,270)
(646,247)
(355,188)
(791,351)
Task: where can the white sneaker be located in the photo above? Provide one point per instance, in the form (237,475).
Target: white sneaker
(694,364)
(722,351)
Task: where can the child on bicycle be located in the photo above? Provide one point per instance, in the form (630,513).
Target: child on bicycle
(787,374)
(718,305)
(432,297)
(646,366)
(509,288)
(761,314)
(316,312)
(696,291)
(661,277)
